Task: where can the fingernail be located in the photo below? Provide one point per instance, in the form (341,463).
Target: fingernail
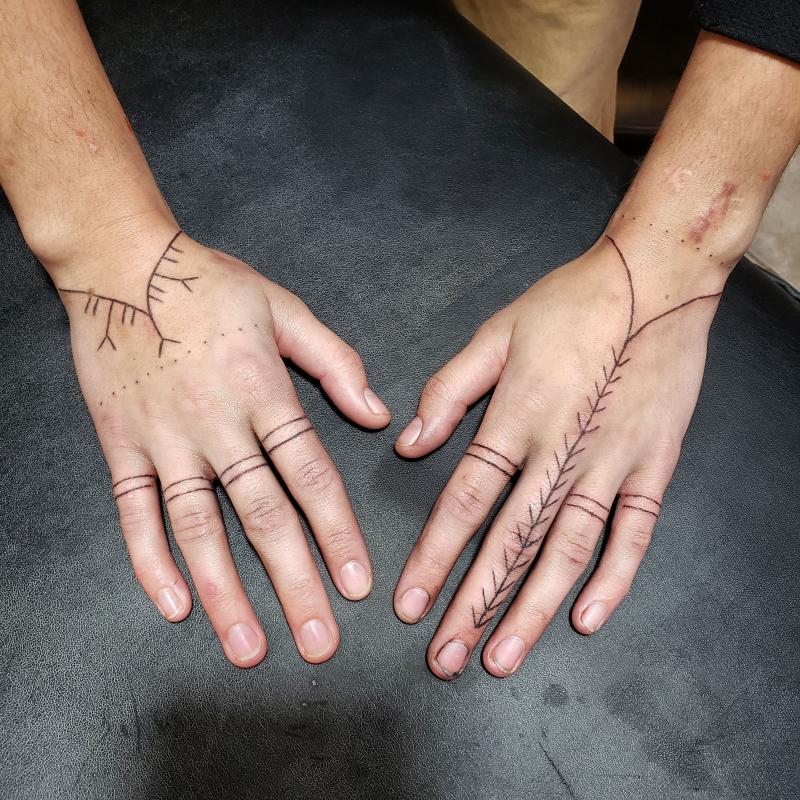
(374,402)
(452,658)
(243,641)
(413,604)
(354,579)
(315,638)
(411,433)
(508,654)
(169,602)
(594,616)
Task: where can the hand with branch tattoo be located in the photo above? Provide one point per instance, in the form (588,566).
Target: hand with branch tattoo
(596,371)
(592,400)
(179,351)
(181,366)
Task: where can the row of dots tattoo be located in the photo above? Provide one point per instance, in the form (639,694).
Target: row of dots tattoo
(279,436)
(157,287)
(532,530)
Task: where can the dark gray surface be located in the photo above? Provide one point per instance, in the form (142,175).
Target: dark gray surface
(407,181)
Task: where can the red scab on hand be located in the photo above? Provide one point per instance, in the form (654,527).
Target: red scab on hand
(765,176)
(91,142)
(715,214)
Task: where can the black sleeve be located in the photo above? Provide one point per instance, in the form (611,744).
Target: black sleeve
(772,25)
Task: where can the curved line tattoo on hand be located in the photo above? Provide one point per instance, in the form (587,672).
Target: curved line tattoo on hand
(531,532)
(508,467)
(131,310)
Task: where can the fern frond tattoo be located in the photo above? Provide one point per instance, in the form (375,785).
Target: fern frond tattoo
(530,532)
(157,285)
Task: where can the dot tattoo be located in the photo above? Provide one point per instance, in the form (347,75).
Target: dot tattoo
(531,531)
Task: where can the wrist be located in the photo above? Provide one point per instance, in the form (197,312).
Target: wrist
(108,247)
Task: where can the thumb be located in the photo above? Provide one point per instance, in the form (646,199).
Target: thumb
(315,348)
(451,390)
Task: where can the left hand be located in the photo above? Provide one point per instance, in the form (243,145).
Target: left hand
(597,370)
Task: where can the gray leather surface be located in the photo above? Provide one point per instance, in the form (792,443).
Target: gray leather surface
(406,180)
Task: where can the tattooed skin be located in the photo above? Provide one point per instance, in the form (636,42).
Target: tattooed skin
(530,532)
(160,282)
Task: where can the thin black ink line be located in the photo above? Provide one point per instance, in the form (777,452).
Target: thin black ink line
(641,497)
(286,441)
(135,489)
(132,477)
(639,508)
(630,287)
(158,289)
(156,328)
(244,472)
(586,511)
(189,491)
(490,463)
(505,458)
(672,311)
(186,480)
(90,295)
(586,497)
(236,464)
(274,430)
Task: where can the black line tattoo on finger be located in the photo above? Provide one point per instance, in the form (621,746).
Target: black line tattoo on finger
(639,508)
(289,439)
(243,472)
(491,457)
(518,555)
(281,427)
(133,477)
(153,293)
(148,485)
(188,491)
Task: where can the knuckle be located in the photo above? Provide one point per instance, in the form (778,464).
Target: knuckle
(535,614)
(575,549)
(267,518)
(218,596)
(436,389)
(194,526)
(338,539)
(317,475)
(465,502)
(132,518)
(430,557)
(638,539)
(349,360)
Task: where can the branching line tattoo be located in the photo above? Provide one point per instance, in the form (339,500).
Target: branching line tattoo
(532,530)
(152,292)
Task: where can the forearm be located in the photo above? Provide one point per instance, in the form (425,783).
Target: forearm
(70,163)
(732,127)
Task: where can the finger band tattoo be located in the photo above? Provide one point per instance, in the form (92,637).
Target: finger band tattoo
(185,486)
(493,458)
(161,281)
(594,508)
(639,502)
(124,486)
(286,433)
(518,554)
(241,468)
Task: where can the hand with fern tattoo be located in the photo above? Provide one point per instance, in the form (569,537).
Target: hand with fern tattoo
(596,370)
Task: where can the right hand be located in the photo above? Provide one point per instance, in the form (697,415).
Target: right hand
(180,363)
